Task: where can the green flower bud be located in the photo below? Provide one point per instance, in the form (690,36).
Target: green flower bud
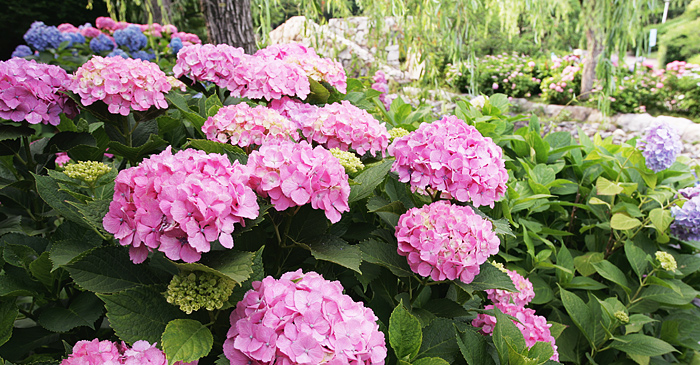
(195,290)
(622,316)
(667,261)
(348,160)
(88,171)
(396,133)
(499,266)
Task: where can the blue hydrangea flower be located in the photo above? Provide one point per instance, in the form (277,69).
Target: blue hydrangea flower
(131,37)
(143,55)
(101,44)
(40,36)
(118,53)
(686,223)
(22,51)
(175,45)
(73,38)
(660,146)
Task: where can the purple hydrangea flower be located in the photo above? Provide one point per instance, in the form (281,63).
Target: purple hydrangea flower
(660,146)
(686,224)
(40,36)
(22,51)
(143,55)
(118,53)
(175,45)
(73,38)
(131,37)
(101,43)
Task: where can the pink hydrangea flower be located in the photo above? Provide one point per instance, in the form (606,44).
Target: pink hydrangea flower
(300,113)
(302,319)
(179,204)
(315,67)
(62,158)
(185,37)
(31,91)
(345,126)
(533,327)
(294,174)
(245,126)
(123,84)
(450,156)
(98,352)
(381,84)
(445,241)
(523,297)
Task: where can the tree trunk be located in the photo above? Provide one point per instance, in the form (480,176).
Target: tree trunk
(158,16)
(230,22)
(595,48)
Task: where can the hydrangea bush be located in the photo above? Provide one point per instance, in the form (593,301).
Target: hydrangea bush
(143,230)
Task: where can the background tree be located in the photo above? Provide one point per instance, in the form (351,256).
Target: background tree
(230,22)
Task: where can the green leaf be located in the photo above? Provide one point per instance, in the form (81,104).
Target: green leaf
(665,295)
(108,270)
(64,251)
(489,277)
(368,180)
(338,251)
(637,258)
(384,254)
(661,219)
(84,310)
(212,146)
(431,361)
(506,335)
(186,340)
(637,321)
(405,335)
(580,314)
(622,221)
(439,340)
(474,348)
(541,352)
(611,272)
(19,255)
(584,263)
(639,344)
(135,154)
(565,260)
(141,313)
(319,94)
(584,282)
(179,102)
(235,265)
(13,132)
(8,313)
(51,193)
(41,269)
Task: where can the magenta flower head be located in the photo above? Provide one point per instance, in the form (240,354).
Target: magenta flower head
(208,62)
(345,126)
(533,327)
(315,67)
(244,126)
(450,156)
(524,295)
(302,318)
(445,241)
(98,352)
(123,84)
(31,91)
(179,204)
(660,146)
(294,174)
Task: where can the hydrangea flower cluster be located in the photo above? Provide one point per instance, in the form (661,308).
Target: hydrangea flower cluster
(300,113)
(397,132)
(381,84)
(187,38)
(131,37)
(302,319)
(195,290)
(41,36)
(31,91)
(660,146)
(123,84)
(345,126)
(243,75)
(245,126)
(315,67)
(294,174)
(105,352)
(102,43)
(450,156)
(143,55)
(88,171)
(686,220)
(479,101)
(175,45)
(62,159)
(533,327)
(522,298)
(118,52)
(21,51)
(349,160)
(445,241)
(689,192)
(667,261)
(179,204)
(73,38)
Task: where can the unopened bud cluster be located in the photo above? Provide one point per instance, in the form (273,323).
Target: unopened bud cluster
(348,160)
(396,133)
(195,290)
(622,316)
(667,261)
(88,171)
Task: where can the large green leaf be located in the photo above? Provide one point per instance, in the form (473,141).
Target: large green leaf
(666,295)
(84,310)
(639,344)
(489,277)
(179,102)
(140,313)
(338,251)
(507,336)
(439,340)
(611,272)
(474,348)
(368,180)
(405,335)
(186,340)
(431,361)
(384,254)
(8,313)
(580,314)
(584,263)
(213,146)
(607,187)
(50,192)
(109,270)
(623,221)
(637,258)
(235,265)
